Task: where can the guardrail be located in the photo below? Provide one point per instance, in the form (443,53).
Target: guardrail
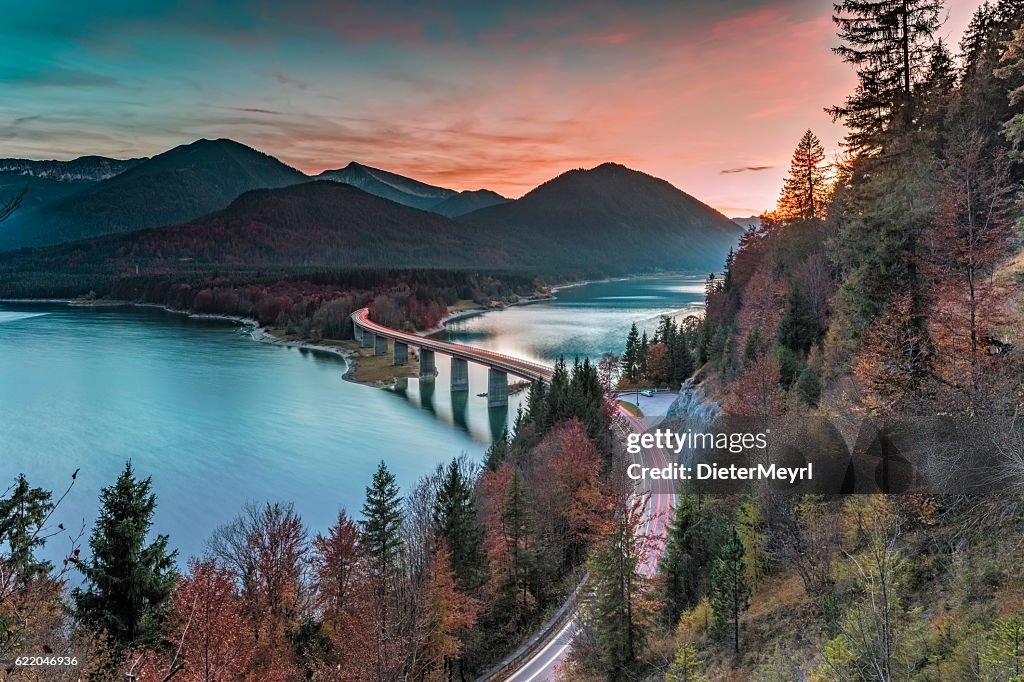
(512,663)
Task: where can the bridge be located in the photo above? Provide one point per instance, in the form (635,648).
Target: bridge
(499,367)
(540,658)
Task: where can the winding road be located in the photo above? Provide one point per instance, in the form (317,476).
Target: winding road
(543,660)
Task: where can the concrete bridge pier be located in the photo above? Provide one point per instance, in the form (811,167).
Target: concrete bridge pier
(401,353)
(367,339)
(380,345)
(427,366)
(460,375)
(357,332)
(497,388)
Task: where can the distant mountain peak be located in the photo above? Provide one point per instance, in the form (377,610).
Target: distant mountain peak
(177,185)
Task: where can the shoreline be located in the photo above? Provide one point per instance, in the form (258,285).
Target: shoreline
(351,357)
(256,332)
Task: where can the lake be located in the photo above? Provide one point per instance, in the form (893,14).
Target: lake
(218,419)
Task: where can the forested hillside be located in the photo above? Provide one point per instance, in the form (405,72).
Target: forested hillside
(884,285)
(619,220)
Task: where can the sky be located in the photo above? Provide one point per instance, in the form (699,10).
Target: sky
(711,96)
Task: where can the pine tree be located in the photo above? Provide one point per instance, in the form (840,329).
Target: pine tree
(380,528)
(707,334)
(557,396)
(619,587)
(805,191)
(455,521)
(22,514)
(515,519)
(642,355)
(127,583)
(1012,69)
(689,551)
(798,329)
(752,348)
(808,386)
(630,360)
(730,591)
(681,360)
(888,42)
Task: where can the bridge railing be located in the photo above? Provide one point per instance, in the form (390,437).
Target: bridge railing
(361,317)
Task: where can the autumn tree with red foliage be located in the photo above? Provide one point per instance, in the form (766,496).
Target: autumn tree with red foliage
(657,363)
(447,614)
(569,493)
(892,360)
(265,548)
(972,233)
(207,629)
(756,392)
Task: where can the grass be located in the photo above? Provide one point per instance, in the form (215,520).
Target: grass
(368,368)
(631,408)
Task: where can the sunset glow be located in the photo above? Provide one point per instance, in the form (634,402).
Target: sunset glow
(710,96)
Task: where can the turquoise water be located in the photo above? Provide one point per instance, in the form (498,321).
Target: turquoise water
(585,321)
(218,419)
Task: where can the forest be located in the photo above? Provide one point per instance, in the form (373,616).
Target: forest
(885,282)
(434,584)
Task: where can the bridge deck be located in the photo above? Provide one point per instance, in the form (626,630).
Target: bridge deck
(521,368)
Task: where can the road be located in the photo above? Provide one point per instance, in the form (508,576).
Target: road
(543,664)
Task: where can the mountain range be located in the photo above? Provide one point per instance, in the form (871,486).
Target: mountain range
(49,181)
(177,185)
(217,202)
(409,192)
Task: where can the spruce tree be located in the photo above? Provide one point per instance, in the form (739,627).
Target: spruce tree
(798,329)
(618,585)
(127,583)
(557,397)
(707,334)
(730,589)
(22,514)
(680,358)
(808,386)
(689,551)
(805,191)
(642,355)
(380,528)
(455,520)
(630,358)
(888,42)
(516,522)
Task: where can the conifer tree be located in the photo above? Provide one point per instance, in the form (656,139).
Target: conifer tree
(681,359)
(515,519)
(618,588)
(642,355)
(730,591)
(689,551)
(22,514)
(455,521)
(805,191)
(380,528)
(630,356)
(1011,69)
(127,583)
(798,329)
(685,665)
(557,396)
(888,42)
